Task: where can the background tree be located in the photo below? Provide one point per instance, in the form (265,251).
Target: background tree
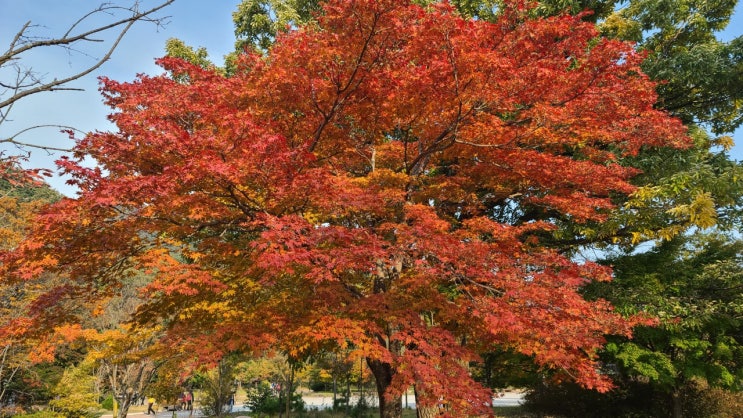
(274,381)
(121,358)
(19,202)
(126,363)
(700,83)
(167,383)
(695,290)
(702,74)
(258,22)
(126,357)
(692,284)
(332,371)
(680,189)
(76,394)
(219,387)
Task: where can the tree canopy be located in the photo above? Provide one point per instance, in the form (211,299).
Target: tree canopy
(698,78)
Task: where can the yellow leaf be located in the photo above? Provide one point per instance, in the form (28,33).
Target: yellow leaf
(725,141)
(702,211)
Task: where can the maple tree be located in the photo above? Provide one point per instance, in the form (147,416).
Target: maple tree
(679,190)
(125,363)
(19,202)
(75,393)
(349,188)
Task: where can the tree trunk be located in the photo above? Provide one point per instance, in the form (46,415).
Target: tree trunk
(335,390)
(383,373)
(424,411)
(348,393)
(677,404)
(125,402)
(289,391)
(124,408)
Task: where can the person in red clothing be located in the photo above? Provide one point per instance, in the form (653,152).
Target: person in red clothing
(188,398)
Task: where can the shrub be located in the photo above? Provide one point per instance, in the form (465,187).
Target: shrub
(108,403)
(75,392)
(634,400)
(261,399)
(361,409)
(702,401)
(630,400)
(40,414)
(264,400)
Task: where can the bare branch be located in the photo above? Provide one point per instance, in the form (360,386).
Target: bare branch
(67,39)
(24,145)
(17,47)
(17,38)
(20,81)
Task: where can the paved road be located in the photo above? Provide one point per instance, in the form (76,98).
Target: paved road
(326,401)
(162,414)
(509,399)
(323,401)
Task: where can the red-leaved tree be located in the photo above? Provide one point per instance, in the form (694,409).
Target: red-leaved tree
(378,182)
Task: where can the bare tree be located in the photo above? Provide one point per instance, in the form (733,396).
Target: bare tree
(24,81)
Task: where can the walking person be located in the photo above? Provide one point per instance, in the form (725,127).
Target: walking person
(188,399)
(193,399)
(150,402)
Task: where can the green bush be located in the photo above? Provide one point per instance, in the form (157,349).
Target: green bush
(262,400)
(320,386)
(108,403)
(361,409)
(75,395)
(341,403)
(297,403)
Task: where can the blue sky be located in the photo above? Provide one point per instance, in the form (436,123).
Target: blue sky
(198,23)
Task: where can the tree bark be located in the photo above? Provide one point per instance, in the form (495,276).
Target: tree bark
(383,373)
(335,390)
(126,402)
(424,411)
(289,391)
(677,404)
(427,411)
